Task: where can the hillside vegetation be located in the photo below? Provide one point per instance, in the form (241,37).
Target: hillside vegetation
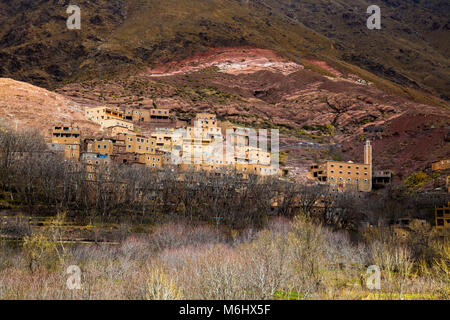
(120,36)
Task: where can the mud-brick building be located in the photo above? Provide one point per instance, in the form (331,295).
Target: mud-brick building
(346,176)
(205,120)
(137,143)
(137,115)
(152,160)
(92,161)
(441,165)
(117,122)
(147,115)
(160,115)
(65,151)
(129,158)
(99,114)
(381,178)
(442,216)
(66,134)
(116,130)
(103,146)
(66,141)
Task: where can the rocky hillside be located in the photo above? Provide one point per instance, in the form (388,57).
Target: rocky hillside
(258,88)
(25,106)
(120,36)
(309,68)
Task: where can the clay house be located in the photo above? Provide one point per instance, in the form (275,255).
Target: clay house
(257,156)
(137,143)
(166,139)
(65,151)
(92,161)
(441,165)
(128,158)
(346,176)
(66,135)
(108,117)
(137,115)
(116,129)
(205,120)
(381,178)
(263,170)
(100,114)
(67,141)
(208,133)
(103,147)
(442,216)
(117,122)
(160,114)
(152,160)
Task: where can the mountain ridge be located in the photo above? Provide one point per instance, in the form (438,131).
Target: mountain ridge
(126,36)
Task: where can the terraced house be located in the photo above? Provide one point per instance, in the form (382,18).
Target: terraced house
(66,140)
(137,143)
(99,114)
(108,117)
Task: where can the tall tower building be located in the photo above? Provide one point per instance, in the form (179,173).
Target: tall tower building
(368,153)
(368,160)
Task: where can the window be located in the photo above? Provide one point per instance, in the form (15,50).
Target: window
(349,172)
(365,173)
